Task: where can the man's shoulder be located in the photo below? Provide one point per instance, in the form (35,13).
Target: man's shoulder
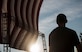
(71,30)
(65,29)
(53,31)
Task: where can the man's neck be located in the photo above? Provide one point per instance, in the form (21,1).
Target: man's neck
(61,25)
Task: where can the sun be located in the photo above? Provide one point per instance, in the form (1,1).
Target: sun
(35,48)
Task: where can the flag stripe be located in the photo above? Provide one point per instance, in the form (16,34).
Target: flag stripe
(0,21)
(23,24)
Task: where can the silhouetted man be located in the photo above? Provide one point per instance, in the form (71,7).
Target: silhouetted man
(63,39)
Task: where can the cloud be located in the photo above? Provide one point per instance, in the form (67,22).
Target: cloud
(50,5)
(64,6)
(47,24)
(51,8)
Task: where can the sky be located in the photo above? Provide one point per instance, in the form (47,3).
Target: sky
(51,8)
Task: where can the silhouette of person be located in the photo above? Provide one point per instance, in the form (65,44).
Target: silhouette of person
(63,39)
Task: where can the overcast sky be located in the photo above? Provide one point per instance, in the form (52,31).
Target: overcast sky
(51,8)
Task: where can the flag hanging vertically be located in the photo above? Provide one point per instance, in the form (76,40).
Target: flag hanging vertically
(21,28)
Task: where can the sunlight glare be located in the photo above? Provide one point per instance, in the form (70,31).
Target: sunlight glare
(35,48)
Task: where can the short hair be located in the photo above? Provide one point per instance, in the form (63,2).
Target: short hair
(61,18)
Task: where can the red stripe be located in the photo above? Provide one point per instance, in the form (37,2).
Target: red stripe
(38,12)
(0,20)
(20,22)
(31,21)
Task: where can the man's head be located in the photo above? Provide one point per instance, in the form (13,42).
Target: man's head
(61,18)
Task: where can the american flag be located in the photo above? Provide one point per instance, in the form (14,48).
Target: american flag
(21,24)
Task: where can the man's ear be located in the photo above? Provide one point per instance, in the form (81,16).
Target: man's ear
(66,21)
